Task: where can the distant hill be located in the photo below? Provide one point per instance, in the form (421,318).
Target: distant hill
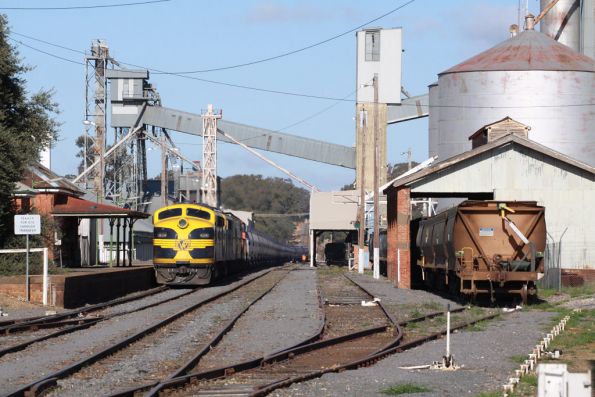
(266,196)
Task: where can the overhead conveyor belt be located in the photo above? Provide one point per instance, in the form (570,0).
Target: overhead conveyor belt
(410,108)
(254,137)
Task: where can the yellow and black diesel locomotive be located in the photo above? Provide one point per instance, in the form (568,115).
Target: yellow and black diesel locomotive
(194,244)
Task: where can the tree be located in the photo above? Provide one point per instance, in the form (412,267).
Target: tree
(26,125)
(266,196)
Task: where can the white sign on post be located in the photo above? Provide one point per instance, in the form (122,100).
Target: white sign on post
(27,224)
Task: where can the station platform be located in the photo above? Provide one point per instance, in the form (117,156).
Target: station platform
(80,286)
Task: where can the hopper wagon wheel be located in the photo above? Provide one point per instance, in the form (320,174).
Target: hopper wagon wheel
(524,294)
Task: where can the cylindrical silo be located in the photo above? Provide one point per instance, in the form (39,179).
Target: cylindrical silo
(530,78)
(433,119)
(562,22)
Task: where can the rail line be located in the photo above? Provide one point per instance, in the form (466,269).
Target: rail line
(38,322)
(252,378)
(79,323)
(40,385)
(378,337)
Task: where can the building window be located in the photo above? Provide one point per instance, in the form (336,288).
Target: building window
(373,45)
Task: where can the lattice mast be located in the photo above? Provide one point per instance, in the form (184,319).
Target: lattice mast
(95,102)
(209,156)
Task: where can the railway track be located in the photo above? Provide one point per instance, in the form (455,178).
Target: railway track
(340,329)
(263,375)
(40,385)
(26,333)
(39,322)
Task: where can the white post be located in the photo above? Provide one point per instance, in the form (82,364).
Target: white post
(27,271)
(376,262)
(448,332)
(312,249)
(360,262)
(398,267)
(45,276)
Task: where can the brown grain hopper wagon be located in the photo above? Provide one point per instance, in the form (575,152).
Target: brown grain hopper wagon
(484,247)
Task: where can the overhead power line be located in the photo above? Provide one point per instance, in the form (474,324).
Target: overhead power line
(289,93)
(282,55)
(45,52)
(240,65)
(136,3)
(222,83)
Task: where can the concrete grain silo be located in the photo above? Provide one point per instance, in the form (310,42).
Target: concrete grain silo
(530,78)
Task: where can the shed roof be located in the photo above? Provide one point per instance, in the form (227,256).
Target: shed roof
(77,207)
(38,177)
(509,139)
(529,50)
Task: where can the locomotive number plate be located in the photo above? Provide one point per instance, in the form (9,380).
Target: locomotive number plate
(486,231)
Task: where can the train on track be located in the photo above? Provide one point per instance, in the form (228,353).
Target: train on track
(491,248)
(194,244)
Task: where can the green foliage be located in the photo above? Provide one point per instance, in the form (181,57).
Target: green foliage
(14,264)
(404,388)
(529,379)
(266,196)
(587,289)
(26,126)
(580,331)
(518,358)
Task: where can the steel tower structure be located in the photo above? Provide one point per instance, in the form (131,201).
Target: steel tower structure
(209,155)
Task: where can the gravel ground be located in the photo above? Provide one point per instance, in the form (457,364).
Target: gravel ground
(146,356)
(13,308)
(485,356)
(386,291)
(580,303)
(136,304)
(22,367)
(286,316)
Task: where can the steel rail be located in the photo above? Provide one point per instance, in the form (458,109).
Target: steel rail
(23,391)
(369,360)
(282,355)
(191,363)
(9,326)
(238,367)
(86,323)
(82,324)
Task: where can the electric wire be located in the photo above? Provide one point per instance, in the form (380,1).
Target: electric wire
(295,94)
(222,83)
(45,52)
(136,3)
(285,54)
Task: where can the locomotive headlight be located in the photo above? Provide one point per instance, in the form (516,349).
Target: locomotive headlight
(183,223)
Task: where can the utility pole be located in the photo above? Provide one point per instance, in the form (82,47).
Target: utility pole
(376,175)
(209,156)
(362,196)
(164,179)
(408,153)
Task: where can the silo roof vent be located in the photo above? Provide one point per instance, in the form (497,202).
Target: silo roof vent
(530,22)
(496,130)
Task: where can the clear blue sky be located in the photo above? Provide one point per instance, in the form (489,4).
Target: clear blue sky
(184,35)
